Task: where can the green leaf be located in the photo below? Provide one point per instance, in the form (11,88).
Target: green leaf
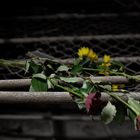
(76,61)
(27,66)
(132,117)
(71,79)
(38,84)
(80,102)
(31,89)
(135,104)
(54,81)
(106,87)
(120,115)
(34,68)
(63,68)
(50,85)
(86,88)
(76,69)
(85,61)
(108,113)
(40,75)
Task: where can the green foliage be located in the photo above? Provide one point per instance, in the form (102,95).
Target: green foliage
(33,67)
(80,102)
(87,88)
(120,114)
(134,104)
(63,68)
(70,79)
(39,82)
(106,87)
(108,113)
(78,79)
(38,85)
(76,69)
(132,117)
(40,76)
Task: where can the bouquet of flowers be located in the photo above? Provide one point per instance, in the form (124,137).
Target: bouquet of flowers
(78,78)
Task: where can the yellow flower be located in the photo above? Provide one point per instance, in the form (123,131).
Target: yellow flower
(86,52)
(106,61)
(115,87)
(104,72)
(118,87)
(106,58)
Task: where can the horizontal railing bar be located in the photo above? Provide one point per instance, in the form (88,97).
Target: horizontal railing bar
(15,84)
(53,97)
(35,97)
(67,38)
(70,60)
(69,117)
(25,83)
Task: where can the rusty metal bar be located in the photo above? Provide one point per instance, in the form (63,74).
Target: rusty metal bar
(52,97)
(35,97)
(20,84)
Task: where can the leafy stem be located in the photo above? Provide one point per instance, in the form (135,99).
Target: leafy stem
(69,90)
(122,101)
(91,69)
(65,88)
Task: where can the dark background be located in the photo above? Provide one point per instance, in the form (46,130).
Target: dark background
(59,28)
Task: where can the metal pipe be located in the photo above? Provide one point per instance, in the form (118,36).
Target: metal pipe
(67,38)
(53,97)
(37,53)
(18,84)
(35,97)
(25,83)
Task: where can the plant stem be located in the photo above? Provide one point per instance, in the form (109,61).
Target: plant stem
(69,90)
(12,63)
(65,89)
(126,75)
(91,69)
(116,73)
(122,101)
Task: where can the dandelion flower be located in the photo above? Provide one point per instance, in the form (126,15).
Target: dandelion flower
(106,61)
(86,52)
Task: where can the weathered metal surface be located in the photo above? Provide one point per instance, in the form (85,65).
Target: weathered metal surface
(20,84)
(52,97)
(35,97)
